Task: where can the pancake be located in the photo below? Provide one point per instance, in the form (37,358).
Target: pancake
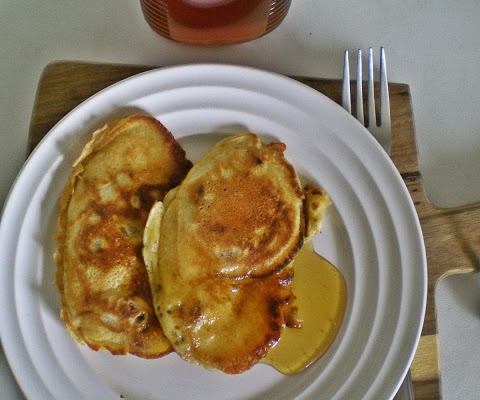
(106,301)
(218,253)
(245,199)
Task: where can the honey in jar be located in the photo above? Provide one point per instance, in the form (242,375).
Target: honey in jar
(214,22)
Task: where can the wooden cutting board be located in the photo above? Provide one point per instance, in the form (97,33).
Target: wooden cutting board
(452,236)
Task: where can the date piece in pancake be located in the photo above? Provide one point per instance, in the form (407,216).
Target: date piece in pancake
(218,253)
(105,295)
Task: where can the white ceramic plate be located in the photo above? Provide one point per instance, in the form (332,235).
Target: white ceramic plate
(371,234)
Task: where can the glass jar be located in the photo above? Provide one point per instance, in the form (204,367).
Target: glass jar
(214,22)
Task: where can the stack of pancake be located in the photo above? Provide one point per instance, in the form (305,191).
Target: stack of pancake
(214,281)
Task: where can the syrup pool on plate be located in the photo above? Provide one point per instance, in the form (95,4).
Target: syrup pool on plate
(320,295)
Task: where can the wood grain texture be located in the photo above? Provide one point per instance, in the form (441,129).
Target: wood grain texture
(452,236)
(425,368)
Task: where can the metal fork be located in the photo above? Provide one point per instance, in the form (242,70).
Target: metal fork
(382,130)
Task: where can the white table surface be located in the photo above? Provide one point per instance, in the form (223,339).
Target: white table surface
(431,45)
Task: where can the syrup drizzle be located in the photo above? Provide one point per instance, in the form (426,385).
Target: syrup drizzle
(320,295)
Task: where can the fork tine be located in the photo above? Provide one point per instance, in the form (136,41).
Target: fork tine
(360,116)
(380,129)
(372,117)
(346,100)
(384,95)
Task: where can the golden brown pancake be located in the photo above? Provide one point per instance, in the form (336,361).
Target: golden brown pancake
(218,253)
(240,209)
(105,294)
